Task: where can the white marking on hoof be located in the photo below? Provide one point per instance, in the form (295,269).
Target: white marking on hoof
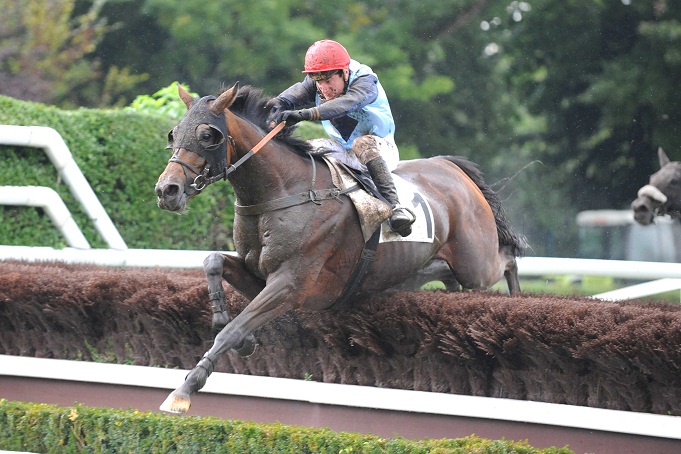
(175,404)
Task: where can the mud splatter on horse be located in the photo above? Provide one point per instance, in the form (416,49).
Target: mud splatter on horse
(298,239)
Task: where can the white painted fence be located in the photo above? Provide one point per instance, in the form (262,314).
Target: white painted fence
(54,146)
(168,258)
(616,421)
(49,200)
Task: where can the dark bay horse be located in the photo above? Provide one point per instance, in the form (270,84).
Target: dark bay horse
(662,195)
(301,256)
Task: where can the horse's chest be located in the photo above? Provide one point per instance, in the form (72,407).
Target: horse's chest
(267,242)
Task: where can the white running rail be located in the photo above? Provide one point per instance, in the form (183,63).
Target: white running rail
(666,276)
(615,421)
(49,140)
(51,202)
(642,290)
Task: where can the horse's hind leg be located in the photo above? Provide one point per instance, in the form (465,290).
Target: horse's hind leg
(216,266)
(439,270)
(435,270)
(511,274)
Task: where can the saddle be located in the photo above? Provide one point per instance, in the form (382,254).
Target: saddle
(373,211)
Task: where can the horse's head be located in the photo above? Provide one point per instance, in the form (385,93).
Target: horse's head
(662,195)
(199,143)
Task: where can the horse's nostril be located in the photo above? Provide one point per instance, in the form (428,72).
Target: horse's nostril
(171,190)
(163,191)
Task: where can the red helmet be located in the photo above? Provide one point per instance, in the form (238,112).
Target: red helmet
(326,55)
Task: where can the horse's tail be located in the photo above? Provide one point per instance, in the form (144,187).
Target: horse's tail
(516,243)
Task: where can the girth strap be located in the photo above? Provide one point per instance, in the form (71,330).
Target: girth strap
(315,196)
(312,195)
(366,260)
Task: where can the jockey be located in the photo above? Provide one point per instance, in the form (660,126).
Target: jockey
(354,111)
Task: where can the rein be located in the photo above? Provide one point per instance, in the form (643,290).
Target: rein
(253,150)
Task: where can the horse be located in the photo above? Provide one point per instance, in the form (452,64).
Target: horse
(297,246)
(662,194)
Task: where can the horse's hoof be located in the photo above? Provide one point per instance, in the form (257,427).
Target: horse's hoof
(247,347)
(176,404)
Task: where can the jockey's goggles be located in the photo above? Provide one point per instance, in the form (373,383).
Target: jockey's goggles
(324,75)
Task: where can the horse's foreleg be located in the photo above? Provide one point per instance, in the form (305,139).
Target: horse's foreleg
(212,266)
(272,302)
(233,269)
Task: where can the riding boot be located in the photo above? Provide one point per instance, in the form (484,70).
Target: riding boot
(402,217)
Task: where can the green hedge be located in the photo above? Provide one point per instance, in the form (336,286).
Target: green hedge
(51,429)
(121,153)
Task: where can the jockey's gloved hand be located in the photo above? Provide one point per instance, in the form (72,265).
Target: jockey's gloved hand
(275,106)
(291,117)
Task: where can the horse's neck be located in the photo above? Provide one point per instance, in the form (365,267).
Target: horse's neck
(271,173)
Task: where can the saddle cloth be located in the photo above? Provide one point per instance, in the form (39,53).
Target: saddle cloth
(373,212)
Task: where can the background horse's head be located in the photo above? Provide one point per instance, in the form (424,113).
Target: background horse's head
(662,195)
(199,143)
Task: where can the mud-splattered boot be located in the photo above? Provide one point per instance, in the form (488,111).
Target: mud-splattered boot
(402,217)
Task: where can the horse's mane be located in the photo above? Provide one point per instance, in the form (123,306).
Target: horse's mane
(252,105)
(507,237)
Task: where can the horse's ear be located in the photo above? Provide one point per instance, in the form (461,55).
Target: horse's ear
(225,99)
(185,96)
(664,159)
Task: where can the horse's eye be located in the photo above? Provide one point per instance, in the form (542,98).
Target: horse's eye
(209,137)
(171,139)
(205,135)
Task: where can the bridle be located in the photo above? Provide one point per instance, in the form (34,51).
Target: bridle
(203,179)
